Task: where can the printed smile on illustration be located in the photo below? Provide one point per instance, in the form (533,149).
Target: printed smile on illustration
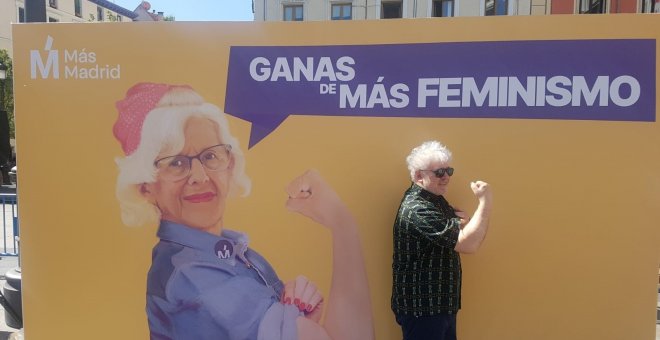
(199,198)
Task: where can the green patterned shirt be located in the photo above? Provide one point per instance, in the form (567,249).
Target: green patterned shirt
(426,268)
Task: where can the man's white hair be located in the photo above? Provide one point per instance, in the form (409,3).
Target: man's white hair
(425,154)
(163,132)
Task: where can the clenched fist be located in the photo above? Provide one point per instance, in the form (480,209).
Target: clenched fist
(311,196)
(481,190)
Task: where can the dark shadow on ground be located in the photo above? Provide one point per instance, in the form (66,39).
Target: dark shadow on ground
(7,189)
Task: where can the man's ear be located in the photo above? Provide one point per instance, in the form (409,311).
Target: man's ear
(146,191)
(418,176)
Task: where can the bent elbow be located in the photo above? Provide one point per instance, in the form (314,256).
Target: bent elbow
(466,248)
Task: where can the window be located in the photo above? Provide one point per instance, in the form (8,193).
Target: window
(51,19)
(391,10)
(119,18)
(21,14)
(52,3)
(293,13)
(592,6)
(496,7)
(443,8)
(99,13)
(342,12)
(650,6)
(78,8)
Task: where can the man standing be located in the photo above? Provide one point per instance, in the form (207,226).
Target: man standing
(429,234)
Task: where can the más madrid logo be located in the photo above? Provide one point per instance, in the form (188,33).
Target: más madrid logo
(70,64)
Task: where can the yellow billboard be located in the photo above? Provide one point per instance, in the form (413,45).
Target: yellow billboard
(298,134)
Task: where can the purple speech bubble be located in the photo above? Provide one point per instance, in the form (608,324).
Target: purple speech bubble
(610,80)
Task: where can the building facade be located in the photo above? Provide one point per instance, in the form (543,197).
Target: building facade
(13,11)
(299,10)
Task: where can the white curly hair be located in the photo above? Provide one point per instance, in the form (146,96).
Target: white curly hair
(163,132)
(425,154)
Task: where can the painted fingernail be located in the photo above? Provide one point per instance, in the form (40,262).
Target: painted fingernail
(309,308)
(301,307)
(296,301)
(287,301)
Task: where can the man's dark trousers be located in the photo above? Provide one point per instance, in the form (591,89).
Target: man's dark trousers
(437,327)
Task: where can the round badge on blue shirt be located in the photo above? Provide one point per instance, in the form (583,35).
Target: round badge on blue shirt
(224,249)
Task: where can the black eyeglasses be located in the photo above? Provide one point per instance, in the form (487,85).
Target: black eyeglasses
(442,171)
(215,158)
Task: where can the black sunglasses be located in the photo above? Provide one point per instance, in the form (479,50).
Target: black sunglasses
(441,172)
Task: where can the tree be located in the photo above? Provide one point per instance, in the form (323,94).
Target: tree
(7,90)
(6,117)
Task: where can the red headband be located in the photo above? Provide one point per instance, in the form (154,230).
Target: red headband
(140,100)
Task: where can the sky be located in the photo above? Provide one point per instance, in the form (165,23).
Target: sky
(198,10)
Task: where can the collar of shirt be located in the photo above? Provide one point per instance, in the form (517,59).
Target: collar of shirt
(427,195)
(233,244)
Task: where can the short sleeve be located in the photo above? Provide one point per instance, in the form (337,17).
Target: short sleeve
(279,323)
(430,223)
(218,304)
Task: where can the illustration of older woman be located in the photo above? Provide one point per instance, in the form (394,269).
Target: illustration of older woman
(181,164)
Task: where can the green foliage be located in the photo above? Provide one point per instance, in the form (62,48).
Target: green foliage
(111,16)
(169,18)
(7,88)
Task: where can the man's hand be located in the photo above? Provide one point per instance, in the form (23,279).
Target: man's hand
(482,191)
(463,216)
